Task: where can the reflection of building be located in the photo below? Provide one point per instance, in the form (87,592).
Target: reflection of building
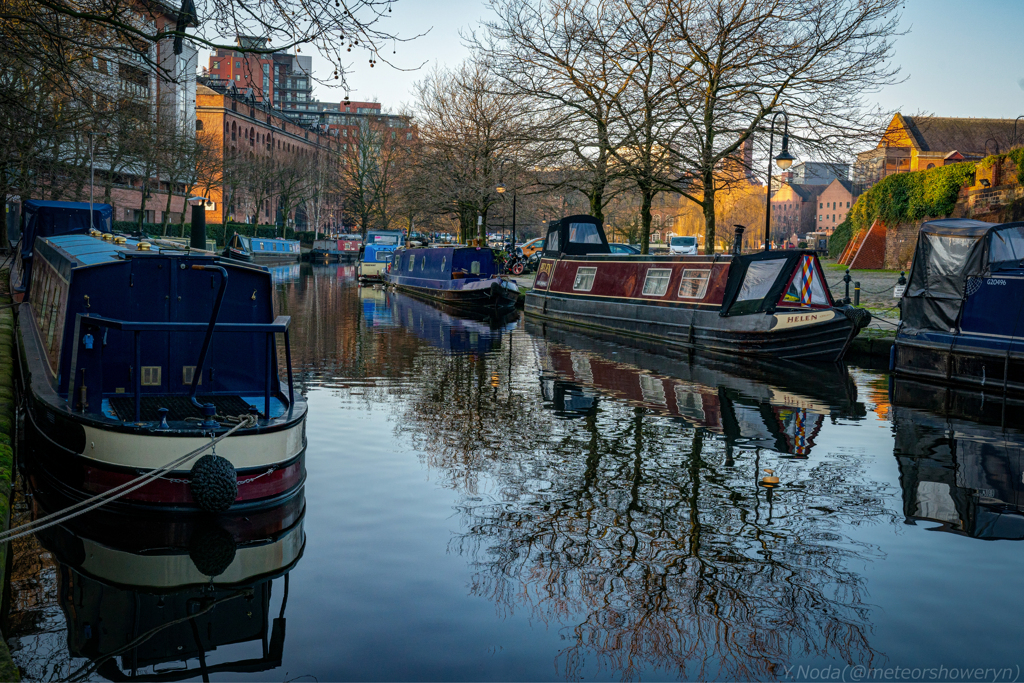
(917,143)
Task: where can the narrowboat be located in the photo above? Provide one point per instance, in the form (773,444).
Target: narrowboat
(773,304)
(377,254)
(132,357)
(465,277)
(341,248)
(961,313)
(46,219)
(143,592)
(263,250)
(781,406)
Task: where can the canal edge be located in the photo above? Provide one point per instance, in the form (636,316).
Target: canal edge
(8,670)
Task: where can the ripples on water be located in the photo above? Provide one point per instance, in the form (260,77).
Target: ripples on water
(489,499)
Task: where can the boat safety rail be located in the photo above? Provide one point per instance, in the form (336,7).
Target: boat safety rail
(110,495)
(280,325)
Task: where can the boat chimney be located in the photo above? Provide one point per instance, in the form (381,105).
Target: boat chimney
(198,236)
(737,242)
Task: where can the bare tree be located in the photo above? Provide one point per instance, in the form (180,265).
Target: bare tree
(741,62)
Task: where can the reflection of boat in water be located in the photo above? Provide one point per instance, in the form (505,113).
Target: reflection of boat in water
(288,273)
(376,306)
(775,406)
(455,330)
(145,590)
(958,467)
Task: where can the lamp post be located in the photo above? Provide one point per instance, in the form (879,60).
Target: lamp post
(501,190)
(1014,142)
(783,161)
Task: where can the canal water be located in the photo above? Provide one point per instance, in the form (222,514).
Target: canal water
(493,500)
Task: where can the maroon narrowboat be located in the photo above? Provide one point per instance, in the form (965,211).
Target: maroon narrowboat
(772,303)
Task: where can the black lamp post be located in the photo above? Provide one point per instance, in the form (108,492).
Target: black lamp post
(783,161)
(501,190)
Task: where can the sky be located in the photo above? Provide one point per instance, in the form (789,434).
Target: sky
(958,57)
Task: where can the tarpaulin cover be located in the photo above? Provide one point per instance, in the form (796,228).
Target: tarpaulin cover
(576,236)
(948,252)
(756,281)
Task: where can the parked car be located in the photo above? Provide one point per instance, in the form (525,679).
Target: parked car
(624,249)
(683,245)
(533,246)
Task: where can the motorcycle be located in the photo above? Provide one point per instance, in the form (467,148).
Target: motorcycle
(516,262)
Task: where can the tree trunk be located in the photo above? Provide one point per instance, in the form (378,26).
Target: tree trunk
(646,200)
(167,208)
(708,205)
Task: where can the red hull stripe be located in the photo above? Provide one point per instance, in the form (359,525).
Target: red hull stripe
(174,490)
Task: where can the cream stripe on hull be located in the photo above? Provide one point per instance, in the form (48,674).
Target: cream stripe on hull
(172,571)
(151,451)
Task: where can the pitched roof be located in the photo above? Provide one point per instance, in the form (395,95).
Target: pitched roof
(804,192)
(972,137)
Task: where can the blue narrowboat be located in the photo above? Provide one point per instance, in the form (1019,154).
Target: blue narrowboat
(378,252)
(263,250)
(457,276)
(46,219)
(132,357)
(962,308)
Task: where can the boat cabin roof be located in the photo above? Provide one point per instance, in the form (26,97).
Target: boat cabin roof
(434,262)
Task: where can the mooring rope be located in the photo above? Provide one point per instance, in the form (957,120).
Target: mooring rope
(113,494)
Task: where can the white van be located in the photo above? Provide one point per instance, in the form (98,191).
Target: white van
(683,245)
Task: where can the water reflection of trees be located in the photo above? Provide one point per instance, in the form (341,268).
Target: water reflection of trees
(642,530)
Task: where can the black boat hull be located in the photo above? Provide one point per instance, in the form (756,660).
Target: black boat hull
(490,299)
(705,330)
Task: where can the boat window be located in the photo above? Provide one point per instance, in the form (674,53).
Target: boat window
(1007,245)
(760,277)
(423,262)
(385,239)
(656,282)
(584,279)
(806,287)
(584,233)
(444,262)
(552,241)
(412,262)
(474,267)
(694,284)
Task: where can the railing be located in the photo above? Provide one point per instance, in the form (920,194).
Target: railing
(279,326)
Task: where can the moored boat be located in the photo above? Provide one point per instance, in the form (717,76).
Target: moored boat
(962,308)
(133,356)
(466,277)
(377,254)
(773,304)
(340,248)
(263,250)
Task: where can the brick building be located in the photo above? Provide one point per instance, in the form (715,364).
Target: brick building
(917,143)
(795,210)
(278,78)
(255,131)
(833,205)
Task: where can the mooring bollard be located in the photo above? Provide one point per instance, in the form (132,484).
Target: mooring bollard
(846,279)
(856,294)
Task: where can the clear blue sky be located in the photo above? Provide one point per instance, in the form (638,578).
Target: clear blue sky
(959,58)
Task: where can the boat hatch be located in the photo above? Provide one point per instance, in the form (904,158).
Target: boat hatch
(759,283)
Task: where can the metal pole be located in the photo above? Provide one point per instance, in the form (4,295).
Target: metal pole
(514,196)
(92,175)
(768,203)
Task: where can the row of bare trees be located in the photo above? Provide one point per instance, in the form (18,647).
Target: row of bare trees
(603,97)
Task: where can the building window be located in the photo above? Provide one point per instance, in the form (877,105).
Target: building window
(199,124)
(656,282)
(238,77)
(238,65)
(216,65)
(819,217)
(847,205)
(584,279)
(821,205)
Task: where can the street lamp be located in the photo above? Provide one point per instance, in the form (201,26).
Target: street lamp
(783,161)
(501,190)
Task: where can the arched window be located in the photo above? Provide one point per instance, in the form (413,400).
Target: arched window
(931,165)
(199,124)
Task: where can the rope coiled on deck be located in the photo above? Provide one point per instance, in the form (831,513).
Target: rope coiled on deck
(113,494)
